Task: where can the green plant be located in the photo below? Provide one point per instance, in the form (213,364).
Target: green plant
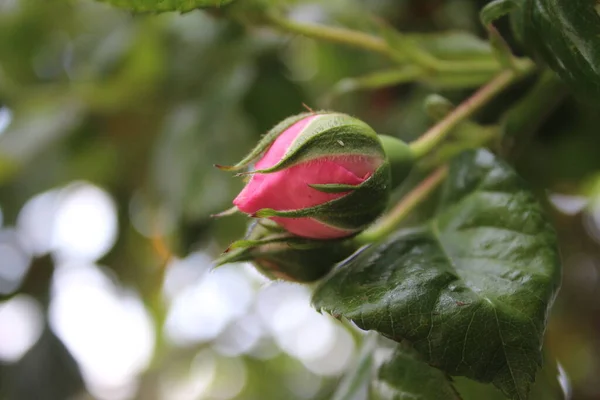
(458,275)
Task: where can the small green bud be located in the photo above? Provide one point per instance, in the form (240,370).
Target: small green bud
(280,255)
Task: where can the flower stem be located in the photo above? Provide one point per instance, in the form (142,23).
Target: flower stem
(391,220)
(332,34)
(407,53)
(522,121)
(481,97)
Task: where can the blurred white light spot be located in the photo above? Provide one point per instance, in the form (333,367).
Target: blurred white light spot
(297,328)
(230,379)
(240,337)
(5,119)
(337,358)
(253,274)
(563,380)
(182,273)
(568,204)
(107,329)
(591,222)
(382,354)
(192,384)
(201,311)
(21,324)
(86,223)
(304,384)
(14,262)
(270,300)
(308,13)
(264,349)
(35,222)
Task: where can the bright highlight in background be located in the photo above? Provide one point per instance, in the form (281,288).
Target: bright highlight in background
(78,222)
(14,261)
(21,325)
(105,328)
(201,311)
(5,119)
(86,223)
(110,334)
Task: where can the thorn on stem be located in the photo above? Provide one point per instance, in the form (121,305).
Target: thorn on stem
(308,108)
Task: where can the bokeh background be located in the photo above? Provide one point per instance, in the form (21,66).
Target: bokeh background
(109,126)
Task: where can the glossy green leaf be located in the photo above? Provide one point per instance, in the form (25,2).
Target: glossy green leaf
(405,377)
(566,35)
(547,385)
(165,5)
(470,289)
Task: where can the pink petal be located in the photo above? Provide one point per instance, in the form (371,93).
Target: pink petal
(359,165)
(277,150)
(289,190)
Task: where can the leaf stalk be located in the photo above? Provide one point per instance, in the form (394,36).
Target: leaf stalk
(393,218)
(436,134)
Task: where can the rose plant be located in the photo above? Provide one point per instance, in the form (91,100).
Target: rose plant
(438,244)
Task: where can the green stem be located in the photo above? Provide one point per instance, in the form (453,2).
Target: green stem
(523,120)
(481,97)
(427,62)
(332,34)
(399,156)
(391,220)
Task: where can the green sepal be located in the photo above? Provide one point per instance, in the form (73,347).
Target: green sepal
(230,211)
(400,156)
(330,135)
(285,256)
(246,243)
(333,187)
(266,141)
(352,212)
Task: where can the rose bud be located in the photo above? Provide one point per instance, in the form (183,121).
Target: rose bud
(320,175)
(279,255)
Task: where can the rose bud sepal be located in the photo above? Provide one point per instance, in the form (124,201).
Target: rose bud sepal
(280,255)
(353,212)
(265,142)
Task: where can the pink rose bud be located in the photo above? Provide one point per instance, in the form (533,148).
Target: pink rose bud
(319,175)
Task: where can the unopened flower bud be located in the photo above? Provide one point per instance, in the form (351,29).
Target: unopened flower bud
(280,255)
(320,175)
